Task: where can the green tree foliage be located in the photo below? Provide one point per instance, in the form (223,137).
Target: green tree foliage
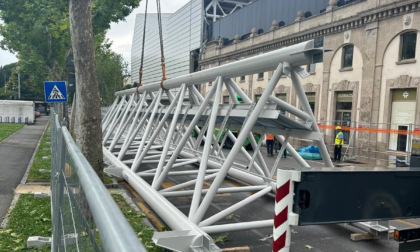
(111,69)
(38,31)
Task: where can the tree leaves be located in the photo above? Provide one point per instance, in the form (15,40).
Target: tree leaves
(38,30)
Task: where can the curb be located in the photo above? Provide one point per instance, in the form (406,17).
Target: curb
(13,134)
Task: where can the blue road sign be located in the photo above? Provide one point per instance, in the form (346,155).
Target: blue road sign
(55,91)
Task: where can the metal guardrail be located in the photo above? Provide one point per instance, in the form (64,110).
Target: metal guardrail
(84,215)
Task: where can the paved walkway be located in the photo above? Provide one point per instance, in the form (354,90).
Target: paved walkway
(15,154)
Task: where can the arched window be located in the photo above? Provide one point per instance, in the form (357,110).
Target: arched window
(347,56)
(308,14)
(282,23)
(408,45)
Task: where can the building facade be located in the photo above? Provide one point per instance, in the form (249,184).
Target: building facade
(369,79)
(182,36)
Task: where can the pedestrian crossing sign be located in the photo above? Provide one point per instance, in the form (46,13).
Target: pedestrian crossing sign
(55,91)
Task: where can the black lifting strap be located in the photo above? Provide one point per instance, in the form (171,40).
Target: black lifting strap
(142,49)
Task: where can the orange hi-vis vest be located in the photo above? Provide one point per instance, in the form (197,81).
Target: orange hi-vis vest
(269,137)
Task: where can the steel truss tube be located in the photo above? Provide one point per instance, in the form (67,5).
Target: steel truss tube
(246,154)
(159,128)
(206,150)
(185,184)
(279,156)
(237,146)
(238,90)
(126,123)
(130,134)
(170,133)
(194,96)
(108,115)
(136,163)
(231,84)
(197,94)
(230,134)
(122,124)
(220,190)
(186,136)
(172,216)
(292,152)
(299,54)
(238,226)
(289,108)
(307,108)
(176,173)
(222,214)
(127,110)
(250,135)
(114,118)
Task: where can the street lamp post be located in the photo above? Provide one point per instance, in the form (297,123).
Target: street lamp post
(18,83)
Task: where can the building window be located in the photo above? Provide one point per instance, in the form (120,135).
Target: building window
(210,83)
(283,98)
(242,78)
(257,98)
(408,45)
(311,100)
(343,111)
(260,76)
(311,68)
(348,56)
(226,99)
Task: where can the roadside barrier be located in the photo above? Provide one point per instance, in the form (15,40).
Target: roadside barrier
(84,215)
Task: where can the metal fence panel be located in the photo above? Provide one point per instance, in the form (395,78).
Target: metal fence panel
(84,215)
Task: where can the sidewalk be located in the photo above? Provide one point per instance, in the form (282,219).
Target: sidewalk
(15,154)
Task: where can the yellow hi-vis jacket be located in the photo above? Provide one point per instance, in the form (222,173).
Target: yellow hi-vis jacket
(339,138)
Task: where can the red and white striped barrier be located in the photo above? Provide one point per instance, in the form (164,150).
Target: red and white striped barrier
(284,217)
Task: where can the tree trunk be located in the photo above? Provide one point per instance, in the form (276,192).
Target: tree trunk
(87,90)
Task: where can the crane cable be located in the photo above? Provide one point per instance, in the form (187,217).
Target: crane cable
(142,49)
(162,58)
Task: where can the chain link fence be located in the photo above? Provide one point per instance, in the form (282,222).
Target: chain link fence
(84,215)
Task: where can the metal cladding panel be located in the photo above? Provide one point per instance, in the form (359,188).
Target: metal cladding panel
(352,195)
(181,34)
(261,14)
(151,61)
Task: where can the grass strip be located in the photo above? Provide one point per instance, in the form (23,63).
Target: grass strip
(39,163)
(8,129)
(30,217)
(144,232)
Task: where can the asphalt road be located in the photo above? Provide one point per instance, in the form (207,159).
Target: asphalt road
(15,155)
(333,237)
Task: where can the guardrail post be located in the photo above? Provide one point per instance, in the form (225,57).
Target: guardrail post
(284,217)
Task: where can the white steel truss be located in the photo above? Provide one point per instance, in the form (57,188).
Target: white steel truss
(147,143)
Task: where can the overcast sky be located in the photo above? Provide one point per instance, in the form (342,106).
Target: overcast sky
(120,34)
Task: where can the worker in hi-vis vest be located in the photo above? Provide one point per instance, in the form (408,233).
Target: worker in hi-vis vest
(339,140)
(269,140)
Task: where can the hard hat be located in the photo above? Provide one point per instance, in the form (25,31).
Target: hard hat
(338,128)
